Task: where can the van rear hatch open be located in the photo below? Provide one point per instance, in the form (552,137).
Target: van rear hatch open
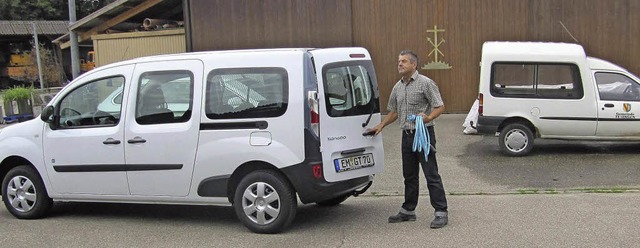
(348,102)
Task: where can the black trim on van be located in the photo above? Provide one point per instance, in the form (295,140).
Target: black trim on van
(116,167)
(214,186)
(309,188)
(588,119)
(489,124)
(234,125)
(570,118)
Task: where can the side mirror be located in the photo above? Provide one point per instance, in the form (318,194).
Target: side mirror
(47,114)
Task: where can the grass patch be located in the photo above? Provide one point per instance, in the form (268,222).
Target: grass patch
(468,193)
(527,191)
(604,190)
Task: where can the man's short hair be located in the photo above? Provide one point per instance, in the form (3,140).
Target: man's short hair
(413,57)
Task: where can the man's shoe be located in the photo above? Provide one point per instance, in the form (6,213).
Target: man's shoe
(400,217)
(440,220)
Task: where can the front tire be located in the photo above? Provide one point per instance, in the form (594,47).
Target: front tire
(264,202)
(24,194)
(516,139)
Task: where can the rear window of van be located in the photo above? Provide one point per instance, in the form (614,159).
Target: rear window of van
(536,80)
(246,93)
(350,89)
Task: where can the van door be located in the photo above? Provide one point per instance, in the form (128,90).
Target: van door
(619,105)
(348,104)
(84,154)
(162,127)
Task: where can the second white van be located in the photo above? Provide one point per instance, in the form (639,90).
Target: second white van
(532,90)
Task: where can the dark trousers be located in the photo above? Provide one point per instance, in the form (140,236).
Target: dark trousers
(410,172)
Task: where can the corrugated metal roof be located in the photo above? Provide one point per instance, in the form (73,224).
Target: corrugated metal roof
(26,28)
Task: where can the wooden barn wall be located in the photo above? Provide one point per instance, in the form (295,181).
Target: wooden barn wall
(239,24)
(606,29)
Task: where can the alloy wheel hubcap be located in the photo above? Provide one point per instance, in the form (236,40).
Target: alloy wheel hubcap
(21,194)
(261,203)
(516,140)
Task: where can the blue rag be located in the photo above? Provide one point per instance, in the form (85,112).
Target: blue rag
(421,140)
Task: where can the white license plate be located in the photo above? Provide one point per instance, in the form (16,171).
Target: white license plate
(353,162)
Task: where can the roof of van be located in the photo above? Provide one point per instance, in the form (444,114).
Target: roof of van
(522,51)
(599,64)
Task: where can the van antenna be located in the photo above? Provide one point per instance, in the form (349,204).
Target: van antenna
(565,29)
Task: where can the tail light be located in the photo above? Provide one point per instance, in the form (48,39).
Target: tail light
(317,171)
(315,122)
(480,103)
(312,98)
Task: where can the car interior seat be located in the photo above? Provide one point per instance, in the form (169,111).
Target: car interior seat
(153,108)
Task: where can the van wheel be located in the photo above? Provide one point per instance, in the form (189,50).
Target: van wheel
(264,202)
(24,195)
(333,202)
(516,139)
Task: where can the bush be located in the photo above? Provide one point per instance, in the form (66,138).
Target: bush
(17,93)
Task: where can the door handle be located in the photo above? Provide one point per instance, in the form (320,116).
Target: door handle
(136,140)
(111,141)
(347,152)
(608,105)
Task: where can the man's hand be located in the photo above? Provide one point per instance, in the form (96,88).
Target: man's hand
(391,117)
(425,118)
(375,130)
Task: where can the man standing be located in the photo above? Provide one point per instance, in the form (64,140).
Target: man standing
(416,94)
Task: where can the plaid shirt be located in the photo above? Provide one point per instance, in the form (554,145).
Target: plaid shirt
(420,94)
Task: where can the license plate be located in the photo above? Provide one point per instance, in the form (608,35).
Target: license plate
(353,162)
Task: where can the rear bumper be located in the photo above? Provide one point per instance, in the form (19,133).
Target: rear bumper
(311,189)
(489,124)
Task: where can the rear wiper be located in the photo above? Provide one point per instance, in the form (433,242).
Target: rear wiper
(373,107)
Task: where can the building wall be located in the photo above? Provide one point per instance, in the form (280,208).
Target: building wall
(112,48)
(606,29)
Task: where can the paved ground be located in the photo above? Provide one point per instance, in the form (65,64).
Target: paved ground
(495,201)
(563,220)
(473,164)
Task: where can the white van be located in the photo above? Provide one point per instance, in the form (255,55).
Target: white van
(257,129)
(546,90)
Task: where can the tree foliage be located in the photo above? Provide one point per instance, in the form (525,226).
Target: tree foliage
(47,9)
(52,72)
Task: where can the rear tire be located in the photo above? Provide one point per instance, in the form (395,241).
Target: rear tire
(516,139)
(24,194)
(334,201)
(264,202)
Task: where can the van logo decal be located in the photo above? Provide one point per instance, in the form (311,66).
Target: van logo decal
(332,138)
(626,107)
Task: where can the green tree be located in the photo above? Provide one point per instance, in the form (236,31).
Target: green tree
(33,10)
(47,9)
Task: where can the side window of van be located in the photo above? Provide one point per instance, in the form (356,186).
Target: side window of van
(617,87)
(349,90)
(164,97)
(90,104)
(536,80)
(246,93)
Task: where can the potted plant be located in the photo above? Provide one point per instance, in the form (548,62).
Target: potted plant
(21,97)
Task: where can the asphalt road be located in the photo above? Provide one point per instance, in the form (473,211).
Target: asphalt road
(541,200)
(473,164)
